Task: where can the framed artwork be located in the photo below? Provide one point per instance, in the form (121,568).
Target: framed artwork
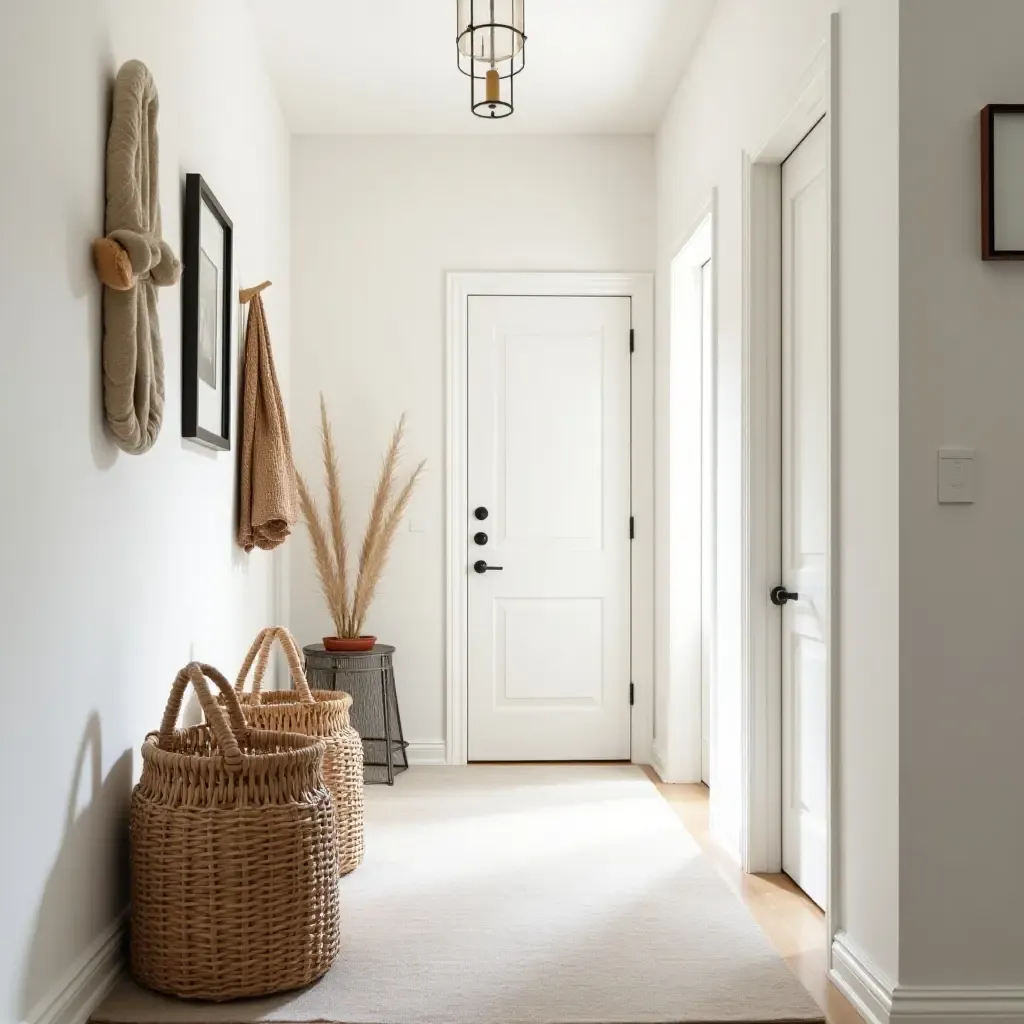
(206,318)
(1002,193)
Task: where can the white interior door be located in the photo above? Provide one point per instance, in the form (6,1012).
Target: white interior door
(549,465)
(805,489)
(707,516)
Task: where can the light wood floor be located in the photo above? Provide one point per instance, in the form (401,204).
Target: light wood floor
(793,924)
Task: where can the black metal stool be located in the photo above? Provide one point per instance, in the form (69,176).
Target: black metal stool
(370,678)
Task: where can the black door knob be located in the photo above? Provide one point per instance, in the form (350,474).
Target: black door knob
(483,567)
(480,538)
(781,596)
(481,513)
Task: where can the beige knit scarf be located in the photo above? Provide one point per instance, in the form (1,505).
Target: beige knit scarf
(269,501)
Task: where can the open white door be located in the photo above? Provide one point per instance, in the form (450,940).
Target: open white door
(805,489)
(549,528)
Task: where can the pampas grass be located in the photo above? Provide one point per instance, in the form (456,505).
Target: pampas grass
(330,540)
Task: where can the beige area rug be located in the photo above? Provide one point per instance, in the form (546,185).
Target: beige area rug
(525,895)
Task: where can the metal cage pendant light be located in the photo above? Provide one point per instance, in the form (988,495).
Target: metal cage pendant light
(492,51)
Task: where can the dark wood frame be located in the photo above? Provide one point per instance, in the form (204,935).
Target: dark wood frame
(198,194)
(988,206)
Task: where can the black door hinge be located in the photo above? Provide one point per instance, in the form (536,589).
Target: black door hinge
(632,528)
(632,340)
(632,694)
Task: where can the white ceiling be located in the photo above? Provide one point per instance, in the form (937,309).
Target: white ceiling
(389,66)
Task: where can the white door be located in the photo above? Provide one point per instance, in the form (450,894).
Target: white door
(549,515)
(805,489)
(707,515)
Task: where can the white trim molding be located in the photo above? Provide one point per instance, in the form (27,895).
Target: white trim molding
(430,752)
(639,288)
(658,762)
(86,983)
(948,1004)
(878,1001)
(684,575)
(867,989)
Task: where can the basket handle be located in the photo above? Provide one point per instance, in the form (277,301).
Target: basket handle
(226,727)
(254,649)
(291,652)
(263,644)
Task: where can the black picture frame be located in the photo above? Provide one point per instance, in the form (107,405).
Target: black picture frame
(196,359)
(989,114)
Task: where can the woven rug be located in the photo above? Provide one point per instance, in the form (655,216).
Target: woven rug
(525,895)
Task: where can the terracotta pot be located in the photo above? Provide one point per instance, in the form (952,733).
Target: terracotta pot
(349,644)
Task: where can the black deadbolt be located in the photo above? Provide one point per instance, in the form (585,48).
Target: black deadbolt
(481,513)
(781,596)
(480,538)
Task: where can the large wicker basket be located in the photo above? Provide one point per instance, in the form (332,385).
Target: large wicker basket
(233,855)
(320,713)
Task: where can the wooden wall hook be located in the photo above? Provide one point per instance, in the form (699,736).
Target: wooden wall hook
(246,295)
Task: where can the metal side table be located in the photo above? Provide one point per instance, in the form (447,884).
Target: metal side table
(370,678)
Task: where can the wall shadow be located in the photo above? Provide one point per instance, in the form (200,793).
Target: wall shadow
(93,854)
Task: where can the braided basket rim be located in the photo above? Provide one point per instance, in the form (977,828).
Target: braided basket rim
(327,717)
(283,698)
(301,751)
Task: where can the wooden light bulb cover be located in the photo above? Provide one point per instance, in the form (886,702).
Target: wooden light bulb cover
(493,87)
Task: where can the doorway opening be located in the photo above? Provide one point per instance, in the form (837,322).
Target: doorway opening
(549,517)
(790,528)
(684,745)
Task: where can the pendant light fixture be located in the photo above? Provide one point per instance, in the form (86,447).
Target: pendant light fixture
(491,43)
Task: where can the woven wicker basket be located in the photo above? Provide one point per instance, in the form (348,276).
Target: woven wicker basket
(320,713)
(233,855)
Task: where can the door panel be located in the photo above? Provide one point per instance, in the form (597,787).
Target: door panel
(533,632)
(707,517)
(550,431)
(805,489)
(549,443)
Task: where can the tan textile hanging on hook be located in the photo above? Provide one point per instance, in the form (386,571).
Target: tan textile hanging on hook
(132,261)
(268,505)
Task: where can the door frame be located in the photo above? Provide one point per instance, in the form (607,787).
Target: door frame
(761,817)
(639,288)
(686,572)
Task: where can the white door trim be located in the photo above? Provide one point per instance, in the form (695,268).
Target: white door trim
(684,576)
(761,839)
(640,289)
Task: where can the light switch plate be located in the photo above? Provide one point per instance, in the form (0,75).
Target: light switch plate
(956,476)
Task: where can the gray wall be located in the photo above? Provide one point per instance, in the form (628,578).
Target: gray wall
(961,566)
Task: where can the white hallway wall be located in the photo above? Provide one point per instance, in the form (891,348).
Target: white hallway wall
(377,222)
(961,643)
(743,80)
(115,568)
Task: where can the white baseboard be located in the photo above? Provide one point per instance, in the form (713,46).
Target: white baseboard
(86,983)
(658,762)
(878,1001)
(870,992)
(427,753)
(668,773)
(948,1004)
